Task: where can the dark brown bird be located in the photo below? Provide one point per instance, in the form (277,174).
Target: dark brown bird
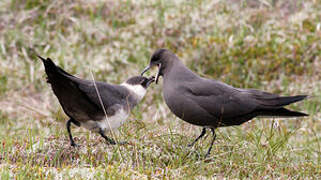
(85,107)
(210,103)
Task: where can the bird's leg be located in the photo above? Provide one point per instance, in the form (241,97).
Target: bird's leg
(109,140)
(72,142)
(198,138)
(214,137)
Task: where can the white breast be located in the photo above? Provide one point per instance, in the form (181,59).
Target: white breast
(106,124)
(138,90)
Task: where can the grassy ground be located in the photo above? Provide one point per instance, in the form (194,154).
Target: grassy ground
(270,45)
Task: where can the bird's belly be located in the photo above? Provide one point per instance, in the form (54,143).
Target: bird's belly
(107,124)
(188,111)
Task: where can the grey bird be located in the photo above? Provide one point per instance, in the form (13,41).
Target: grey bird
(85,107)
(210,103)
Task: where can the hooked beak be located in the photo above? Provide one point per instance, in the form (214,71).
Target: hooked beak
(150,80)
(158,73)
(146,69)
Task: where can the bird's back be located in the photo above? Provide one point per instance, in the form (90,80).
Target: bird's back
(79,97)
(208,102)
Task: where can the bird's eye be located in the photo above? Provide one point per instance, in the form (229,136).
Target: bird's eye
(154,59)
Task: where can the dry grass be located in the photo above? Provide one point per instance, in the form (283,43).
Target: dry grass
(271,45)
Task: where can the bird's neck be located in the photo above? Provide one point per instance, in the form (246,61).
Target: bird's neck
(177,71)
(136,94)
(137,90)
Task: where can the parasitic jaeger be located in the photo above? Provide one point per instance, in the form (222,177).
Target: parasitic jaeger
(210,103)
(83,105)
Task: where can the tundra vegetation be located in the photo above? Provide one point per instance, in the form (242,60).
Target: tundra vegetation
(272,45)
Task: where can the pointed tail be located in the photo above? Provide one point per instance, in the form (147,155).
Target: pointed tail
(286,100)
(50,68)
(279,101)
(281,112)
(53,72)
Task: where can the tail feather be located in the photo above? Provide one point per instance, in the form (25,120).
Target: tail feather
(272,101)
(281,112)
(53,72)
(47,62)
(42,59)
(280,101)
(50,67)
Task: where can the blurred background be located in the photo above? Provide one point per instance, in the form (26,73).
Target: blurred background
(272,45)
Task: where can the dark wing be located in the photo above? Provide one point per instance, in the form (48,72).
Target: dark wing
(227,102)
(267,100)
(79,97)
(219,99)
(110,94)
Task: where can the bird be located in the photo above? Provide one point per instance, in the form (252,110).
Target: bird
(211,103)
(94,105)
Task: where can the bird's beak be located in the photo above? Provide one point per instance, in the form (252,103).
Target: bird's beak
(150,80)
(146,69)
(158,73)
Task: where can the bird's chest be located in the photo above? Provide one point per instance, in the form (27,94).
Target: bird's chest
(175,100)
(109,123)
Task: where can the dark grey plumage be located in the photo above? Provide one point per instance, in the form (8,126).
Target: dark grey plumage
(210,103)
(80,101)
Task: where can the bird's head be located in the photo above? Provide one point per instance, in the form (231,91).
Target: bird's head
(161,59)
(138,85)
(142,81)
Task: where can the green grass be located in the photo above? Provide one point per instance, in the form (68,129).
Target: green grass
(273,45)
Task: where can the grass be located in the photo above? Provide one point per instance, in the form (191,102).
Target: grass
(270,45)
